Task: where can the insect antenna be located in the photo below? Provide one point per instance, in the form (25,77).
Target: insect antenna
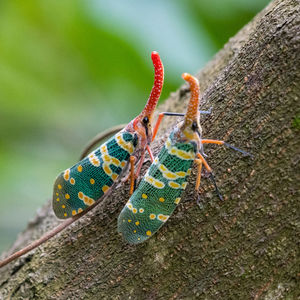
(212,178)
(245,153)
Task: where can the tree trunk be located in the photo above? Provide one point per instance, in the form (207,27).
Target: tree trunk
(246,247)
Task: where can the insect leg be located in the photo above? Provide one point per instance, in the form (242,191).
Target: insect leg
(141,161)
(150,153)
(161,116)
(211,176)
(227,145)
(197,185)
(199,168)
(99,137)
(132,177)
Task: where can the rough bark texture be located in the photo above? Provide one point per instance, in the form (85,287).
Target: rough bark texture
(246,247)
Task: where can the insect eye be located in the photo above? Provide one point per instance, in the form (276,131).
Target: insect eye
(194,126)
(145,120)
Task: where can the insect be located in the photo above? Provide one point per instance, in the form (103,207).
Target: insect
(159,192)
(79,188)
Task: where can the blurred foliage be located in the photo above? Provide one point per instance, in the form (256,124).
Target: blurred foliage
(69,69)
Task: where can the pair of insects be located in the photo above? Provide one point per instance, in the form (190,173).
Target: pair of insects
(160,190)
(81,187)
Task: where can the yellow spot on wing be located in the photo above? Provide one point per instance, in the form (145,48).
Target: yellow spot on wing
(129,221)
(72,181)
(79,210)
(161,199)
(123,163)
(163,168)
(114,176)
(92,181)
(169,174)
(184,185)
(79,168)
(125,145)
(67,196)
(180,174)
(141,210)
(152,216)
(59,187)
(144,196)
(94,160)
(65,214)
(177,200)
(162,217)
(148,232)
(73,212)
(137,223)
(155,182)
(134,210)
(88,201)
(111,160)
(105,189)
(107,169)
(67,174)
(181,153)
(57,199)
(174,185)
(63,206)
(115,161)
(103,149)
(106,157)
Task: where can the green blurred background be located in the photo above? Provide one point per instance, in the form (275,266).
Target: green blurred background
(69,69)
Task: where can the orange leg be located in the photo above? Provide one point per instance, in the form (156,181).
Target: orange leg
(199,168)
(211,176)
(150,153)
(227,145)
(132,179)
(212,142)
(206,166)
(141,161)
(134,175)
(160,117)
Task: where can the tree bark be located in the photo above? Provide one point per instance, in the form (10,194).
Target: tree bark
(246,247)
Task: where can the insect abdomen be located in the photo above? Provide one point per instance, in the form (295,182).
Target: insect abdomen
(80,186)
(158,193)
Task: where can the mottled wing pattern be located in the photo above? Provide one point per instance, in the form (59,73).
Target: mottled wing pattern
(158,194)
(80,186)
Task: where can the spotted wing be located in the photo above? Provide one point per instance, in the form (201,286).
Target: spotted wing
(80,186)
(158,193)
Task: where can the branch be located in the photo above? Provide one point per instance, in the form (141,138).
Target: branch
(245,247)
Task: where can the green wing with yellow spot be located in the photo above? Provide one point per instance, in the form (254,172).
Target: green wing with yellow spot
(80,186)
(158,194)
